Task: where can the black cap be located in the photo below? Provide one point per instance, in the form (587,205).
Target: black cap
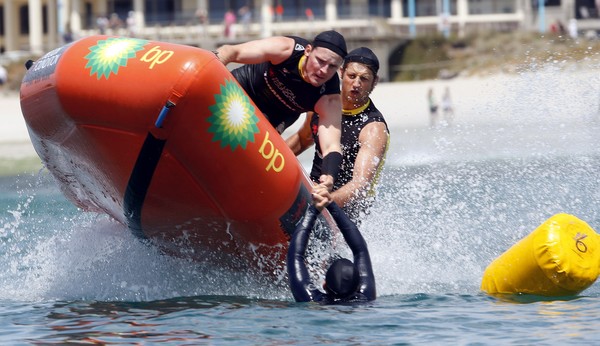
(333,41)
(342,278)
(365,56)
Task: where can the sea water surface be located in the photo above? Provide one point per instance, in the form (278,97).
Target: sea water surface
(452,199)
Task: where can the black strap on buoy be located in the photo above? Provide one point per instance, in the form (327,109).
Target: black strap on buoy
(141,175)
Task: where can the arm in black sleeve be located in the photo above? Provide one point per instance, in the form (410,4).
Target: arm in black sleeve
(358,245)
(300,284)
(332,164)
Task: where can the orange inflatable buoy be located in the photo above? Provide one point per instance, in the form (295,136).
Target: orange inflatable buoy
(162,138)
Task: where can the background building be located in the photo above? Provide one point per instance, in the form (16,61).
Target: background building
(40,25)
(32,27)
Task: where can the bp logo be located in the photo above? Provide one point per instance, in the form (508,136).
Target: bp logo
(233,121)
(107,56)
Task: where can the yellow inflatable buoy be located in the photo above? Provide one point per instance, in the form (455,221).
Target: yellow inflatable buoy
(559,258)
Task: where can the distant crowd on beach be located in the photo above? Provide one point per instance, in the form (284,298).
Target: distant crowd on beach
(244,17)
(113,24)
(445,108)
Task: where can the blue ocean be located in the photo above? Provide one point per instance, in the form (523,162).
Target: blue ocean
(451,200)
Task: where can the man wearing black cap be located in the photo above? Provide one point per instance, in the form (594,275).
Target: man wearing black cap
(365,135)
(287,76)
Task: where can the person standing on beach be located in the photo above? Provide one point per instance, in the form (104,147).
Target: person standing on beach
(229,20)
(245,16)
(447,106)
(3,80)
(131,24)
(365,135)
(433,108)
(310,16)
(286,76)
(202,17)
(279,12)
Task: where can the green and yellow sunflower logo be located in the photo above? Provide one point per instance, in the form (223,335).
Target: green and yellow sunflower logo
(233,121)
(108,55)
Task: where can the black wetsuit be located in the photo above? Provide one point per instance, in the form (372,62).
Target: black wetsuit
(353,123)
(302,288)
(279,90)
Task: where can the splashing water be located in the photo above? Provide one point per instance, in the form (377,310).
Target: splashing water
(455,197)
(52,251)
(451,200)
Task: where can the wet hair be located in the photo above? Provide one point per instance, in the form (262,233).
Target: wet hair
(364,56)
(342,278)
(333,41)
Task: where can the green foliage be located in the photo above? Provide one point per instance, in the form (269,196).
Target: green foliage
(15,166)
(432,57)
(421,58)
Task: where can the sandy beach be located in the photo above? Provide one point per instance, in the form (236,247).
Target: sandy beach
(16,151)
(404,105)
(14,139)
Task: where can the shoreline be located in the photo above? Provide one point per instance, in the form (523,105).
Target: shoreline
(475,99)
(17,155)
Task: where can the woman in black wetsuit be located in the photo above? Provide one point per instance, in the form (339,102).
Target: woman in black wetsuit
(345,282)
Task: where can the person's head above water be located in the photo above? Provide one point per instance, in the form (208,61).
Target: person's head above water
(341,279)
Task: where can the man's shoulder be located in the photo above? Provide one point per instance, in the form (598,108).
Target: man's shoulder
(374,113)
(299,43)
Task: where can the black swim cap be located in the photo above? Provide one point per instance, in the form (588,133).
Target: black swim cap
(333,41)
(342,278)
(365,56)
